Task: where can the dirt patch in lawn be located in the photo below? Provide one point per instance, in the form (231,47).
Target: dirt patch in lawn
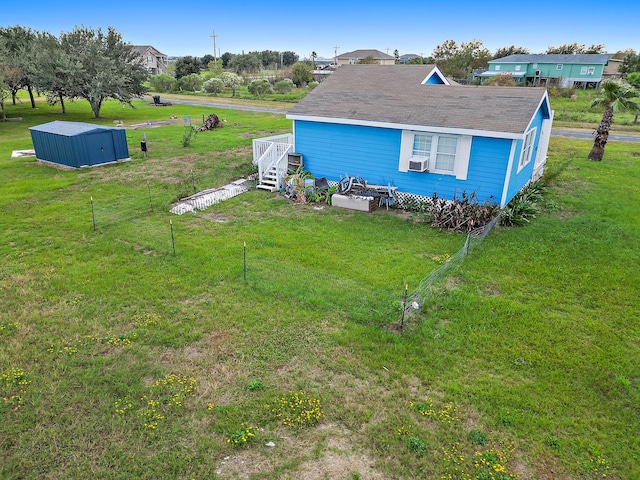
(322,452)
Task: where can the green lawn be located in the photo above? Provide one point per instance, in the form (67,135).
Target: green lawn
(119,359)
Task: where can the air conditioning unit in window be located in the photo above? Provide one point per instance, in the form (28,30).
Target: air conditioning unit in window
(419,165)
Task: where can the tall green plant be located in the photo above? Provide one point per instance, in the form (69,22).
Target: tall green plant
(614,97)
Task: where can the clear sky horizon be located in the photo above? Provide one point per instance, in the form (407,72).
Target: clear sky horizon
(179,29)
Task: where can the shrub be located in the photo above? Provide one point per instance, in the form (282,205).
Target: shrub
(502,80)
(301,73)
(284,86)
(188,135)
(312,85)
(163,83)
(231,80)
(191,82)
(213,85)
(523,206)
(259,87)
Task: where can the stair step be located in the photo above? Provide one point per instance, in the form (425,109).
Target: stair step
(269,188)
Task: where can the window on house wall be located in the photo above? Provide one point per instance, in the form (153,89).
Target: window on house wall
(446,154)
(592,70)
(149,59)
(535,65)
(527,148)
(446,149)
(497,68)
(559,66)
(421,145)
(583,70)
(518,67)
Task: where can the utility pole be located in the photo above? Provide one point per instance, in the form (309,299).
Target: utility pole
(215,60)
(335,58)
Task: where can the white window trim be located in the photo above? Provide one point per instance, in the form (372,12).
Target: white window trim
(497,68)
(526,154)
(518,67)
(559,66)
(583,70)
(460,164)
(591,71)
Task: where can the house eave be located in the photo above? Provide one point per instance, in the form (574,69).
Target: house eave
(406,126)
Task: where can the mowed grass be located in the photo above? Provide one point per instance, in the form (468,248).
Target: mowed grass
(121,359)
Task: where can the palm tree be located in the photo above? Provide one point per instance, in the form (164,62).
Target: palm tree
(614,97)
(633,79)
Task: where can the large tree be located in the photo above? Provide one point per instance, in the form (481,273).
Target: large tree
(613,97)
(575,48)
(226,58)
(109,68)
(458,61)
(18,57)
(511,50)
(187,65)
(246,63)
(630,62)
(289,58)
(53,69)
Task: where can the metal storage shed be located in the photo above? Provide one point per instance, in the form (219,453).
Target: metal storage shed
(77,144)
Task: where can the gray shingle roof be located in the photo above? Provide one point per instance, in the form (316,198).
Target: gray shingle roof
(396,95)
(589,58)
(377,54)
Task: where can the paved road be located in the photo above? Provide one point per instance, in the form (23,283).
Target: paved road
(201,103)
(589,135)
(250,108)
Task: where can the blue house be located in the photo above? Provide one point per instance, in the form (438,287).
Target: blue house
(408,127)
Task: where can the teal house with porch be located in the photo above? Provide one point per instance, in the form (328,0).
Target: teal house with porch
(559,70)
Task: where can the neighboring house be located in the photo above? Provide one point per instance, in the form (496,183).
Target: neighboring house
(612,69)
(408,57)
(408,127)
(351,58)
(566,71)
(153,60)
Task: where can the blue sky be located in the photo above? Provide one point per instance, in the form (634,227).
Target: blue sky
(184,28)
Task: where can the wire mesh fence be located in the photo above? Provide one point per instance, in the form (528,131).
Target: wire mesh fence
(351,295)
(424,292)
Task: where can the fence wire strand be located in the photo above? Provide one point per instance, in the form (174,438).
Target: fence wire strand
(424,292)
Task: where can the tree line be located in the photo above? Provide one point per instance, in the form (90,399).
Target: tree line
(85,63)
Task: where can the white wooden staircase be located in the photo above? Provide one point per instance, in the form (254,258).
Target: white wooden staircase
(271,156)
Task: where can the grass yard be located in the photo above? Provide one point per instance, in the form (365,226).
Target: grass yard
(121,360)
(575,113)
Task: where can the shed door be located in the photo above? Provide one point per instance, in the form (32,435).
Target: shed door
(100,148)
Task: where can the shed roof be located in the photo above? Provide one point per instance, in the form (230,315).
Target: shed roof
(589,58)
(69,129)
(376,94)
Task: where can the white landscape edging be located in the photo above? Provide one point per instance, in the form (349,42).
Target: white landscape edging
(206,198)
